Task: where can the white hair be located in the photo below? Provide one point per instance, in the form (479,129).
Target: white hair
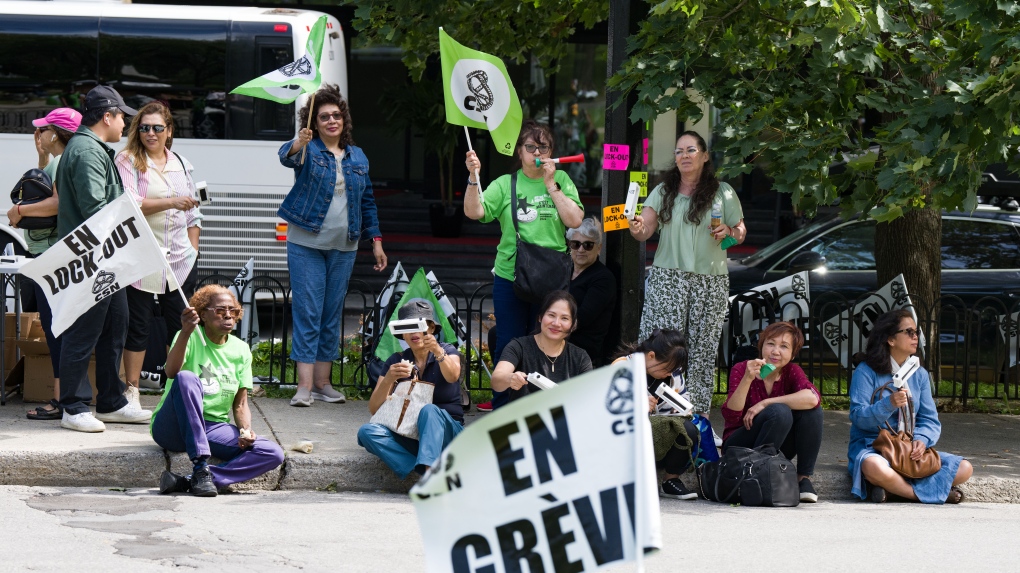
(589,228)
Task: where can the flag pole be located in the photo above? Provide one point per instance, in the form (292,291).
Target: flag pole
(467,136)
(311,108)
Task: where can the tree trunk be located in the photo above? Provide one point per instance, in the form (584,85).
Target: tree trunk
(911,245)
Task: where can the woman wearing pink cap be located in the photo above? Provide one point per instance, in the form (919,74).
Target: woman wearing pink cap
(51,136)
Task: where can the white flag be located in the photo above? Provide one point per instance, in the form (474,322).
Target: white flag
(566,478)
(109,251)
(248,329)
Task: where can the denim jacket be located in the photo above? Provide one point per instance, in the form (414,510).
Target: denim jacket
(308,200)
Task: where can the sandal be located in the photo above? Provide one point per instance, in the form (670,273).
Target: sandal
(42,413)
(955,495)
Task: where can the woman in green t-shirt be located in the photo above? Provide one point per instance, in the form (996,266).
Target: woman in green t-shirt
(688,286)
(547,205)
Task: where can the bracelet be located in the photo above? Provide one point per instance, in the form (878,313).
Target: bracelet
(376,239)
(19,209)
(441,358)
(471,183)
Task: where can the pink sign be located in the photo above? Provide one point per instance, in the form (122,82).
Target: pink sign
(644,147)
(615,157)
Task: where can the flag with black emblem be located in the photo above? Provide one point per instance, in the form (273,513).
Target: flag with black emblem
(286,83)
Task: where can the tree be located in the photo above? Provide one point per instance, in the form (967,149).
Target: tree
(793,78)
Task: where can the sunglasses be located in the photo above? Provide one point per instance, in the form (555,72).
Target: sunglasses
(336,115)
(225,311)
(910,332)
(690,151)
(539,148)
(144,128)
(579,246)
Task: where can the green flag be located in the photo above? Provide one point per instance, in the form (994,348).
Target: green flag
(479,93)
(284,85)
(418,288)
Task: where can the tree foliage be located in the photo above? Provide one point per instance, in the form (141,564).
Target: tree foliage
(514,30)
(793,78)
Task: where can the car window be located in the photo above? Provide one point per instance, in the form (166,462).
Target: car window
(850,247)
(979,244)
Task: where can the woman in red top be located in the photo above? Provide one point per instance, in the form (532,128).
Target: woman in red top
(784,409)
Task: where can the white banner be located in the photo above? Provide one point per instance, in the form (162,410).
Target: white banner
(396,285)
(836,330)
(249,327)
(1009,328)
(788,298)
(565,479)
(109,251)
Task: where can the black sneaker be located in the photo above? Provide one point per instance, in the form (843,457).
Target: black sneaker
(202,484)
(807,491)
(170,482)
(675,489)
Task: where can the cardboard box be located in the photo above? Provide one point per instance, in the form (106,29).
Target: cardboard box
(27,319)
(38,372)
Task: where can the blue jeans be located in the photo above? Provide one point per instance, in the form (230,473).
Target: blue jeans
(514,318)
(318,285)
(436,429)
(103,328)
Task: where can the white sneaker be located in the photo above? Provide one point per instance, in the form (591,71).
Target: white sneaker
(129,414)
(716,438)
(132,397)
(84,422)
(328,394)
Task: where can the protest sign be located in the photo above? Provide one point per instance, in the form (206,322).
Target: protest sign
(1008,328)
(112,249)
(785,299)
(248,329)
(566,477)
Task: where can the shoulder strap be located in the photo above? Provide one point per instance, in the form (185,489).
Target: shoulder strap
(184,167)
(513,203)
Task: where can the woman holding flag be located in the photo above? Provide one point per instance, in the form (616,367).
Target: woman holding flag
(547,205)
(329,208)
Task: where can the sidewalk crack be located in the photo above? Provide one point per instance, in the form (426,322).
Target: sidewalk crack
(283,466)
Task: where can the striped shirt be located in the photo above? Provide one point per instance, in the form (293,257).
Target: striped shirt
(170,226)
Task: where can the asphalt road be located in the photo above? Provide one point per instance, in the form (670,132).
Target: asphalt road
(80,530)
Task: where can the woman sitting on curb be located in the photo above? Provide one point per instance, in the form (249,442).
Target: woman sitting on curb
(208,375)
(782,407)
(439,423)
(892,341)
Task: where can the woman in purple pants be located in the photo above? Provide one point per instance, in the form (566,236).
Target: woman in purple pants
(209,375)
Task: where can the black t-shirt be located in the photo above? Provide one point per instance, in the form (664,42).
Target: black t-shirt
(527,357)
(595,292)
(446,394)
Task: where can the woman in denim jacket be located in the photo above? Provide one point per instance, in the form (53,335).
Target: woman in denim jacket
(328,210)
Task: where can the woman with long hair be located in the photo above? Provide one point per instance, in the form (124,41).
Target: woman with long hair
(688,286)
(875,404)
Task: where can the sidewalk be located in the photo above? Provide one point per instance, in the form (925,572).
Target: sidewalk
(39,453)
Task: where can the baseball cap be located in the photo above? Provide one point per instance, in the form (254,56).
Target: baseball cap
(417,308)
(62,117)
(102,97)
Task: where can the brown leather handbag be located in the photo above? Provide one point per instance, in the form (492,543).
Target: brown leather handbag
(895,447)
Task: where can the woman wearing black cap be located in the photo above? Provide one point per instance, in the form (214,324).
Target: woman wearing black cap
(430,361)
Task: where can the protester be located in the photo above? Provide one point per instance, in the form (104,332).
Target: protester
(88,180)
(322,236)
(52,133)
(783,408)
(208,376)
(430,361)
(876,404)
(688,286)
(675,439)
(593,286)
(161,181)
(547,205)
(546,352)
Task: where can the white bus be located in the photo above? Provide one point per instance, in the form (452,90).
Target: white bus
(52,53)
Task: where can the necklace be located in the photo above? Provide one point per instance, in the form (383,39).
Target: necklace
(552,360)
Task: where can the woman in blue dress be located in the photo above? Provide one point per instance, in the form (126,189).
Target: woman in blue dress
(892,341)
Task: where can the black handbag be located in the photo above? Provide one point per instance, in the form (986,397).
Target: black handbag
(538,270)
(34,186)
(756,477)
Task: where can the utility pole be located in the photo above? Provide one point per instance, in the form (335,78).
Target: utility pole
(624,256)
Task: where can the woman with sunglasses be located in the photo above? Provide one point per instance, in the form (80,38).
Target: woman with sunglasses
(593,286)
(547,205)
(875,404)
(51,136)
(161,182)
(688,287)
(209,376)
(328,210)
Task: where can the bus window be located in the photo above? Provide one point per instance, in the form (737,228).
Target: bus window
(181,62)
(45,62)
(273,120)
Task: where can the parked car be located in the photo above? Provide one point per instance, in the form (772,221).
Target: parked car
(980,257)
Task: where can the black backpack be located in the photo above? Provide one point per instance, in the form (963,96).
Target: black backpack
(34,186)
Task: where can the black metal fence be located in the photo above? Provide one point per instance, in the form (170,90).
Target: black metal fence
(978,341)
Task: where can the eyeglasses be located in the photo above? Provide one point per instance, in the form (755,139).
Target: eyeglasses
(910,332)
(225,311)
(690,152)
(539,148)
(579,246)
(336,115)
(144,128)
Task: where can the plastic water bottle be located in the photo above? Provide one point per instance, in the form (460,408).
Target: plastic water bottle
(716,216)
